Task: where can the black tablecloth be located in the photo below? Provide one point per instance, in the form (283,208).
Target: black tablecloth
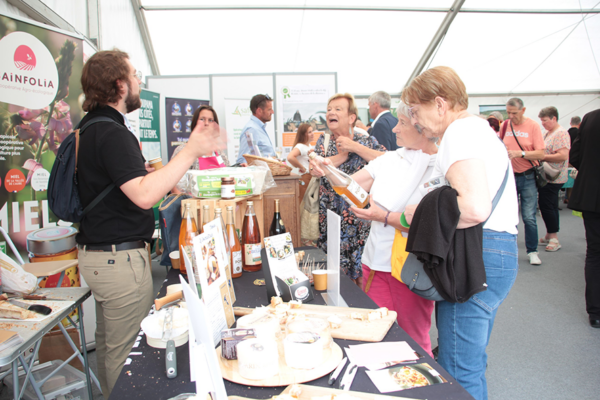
(145,377)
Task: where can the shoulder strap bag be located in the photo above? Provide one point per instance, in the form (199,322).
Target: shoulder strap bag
(538,170)
(407,268)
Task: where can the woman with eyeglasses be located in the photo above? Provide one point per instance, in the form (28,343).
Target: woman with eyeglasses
(349,152)
(207,115)
(474,162)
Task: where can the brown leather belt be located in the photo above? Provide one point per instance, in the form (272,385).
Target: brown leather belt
(138,244)
(529,171)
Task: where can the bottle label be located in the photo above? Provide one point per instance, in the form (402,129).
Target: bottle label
(252,256)
(358,191)
(237,261)
(281,222)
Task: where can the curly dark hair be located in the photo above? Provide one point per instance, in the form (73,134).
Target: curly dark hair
(99,78)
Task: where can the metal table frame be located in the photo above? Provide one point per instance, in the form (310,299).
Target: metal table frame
(32,334)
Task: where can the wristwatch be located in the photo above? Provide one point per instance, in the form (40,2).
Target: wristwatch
(522,154)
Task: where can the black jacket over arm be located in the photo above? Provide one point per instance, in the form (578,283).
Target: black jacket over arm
(453,258)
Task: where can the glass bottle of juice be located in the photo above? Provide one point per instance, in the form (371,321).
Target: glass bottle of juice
(219,216)
(187,232)
(236,247)
(205,217)
(251,241)
(343,184)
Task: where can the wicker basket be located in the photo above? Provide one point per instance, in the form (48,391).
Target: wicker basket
(277,168)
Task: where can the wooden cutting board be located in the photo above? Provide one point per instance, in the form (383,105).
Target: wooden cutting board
(308,392)
(351,329)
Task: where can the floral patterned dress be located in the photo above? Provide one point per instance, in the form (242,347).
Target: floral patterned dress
(354,231)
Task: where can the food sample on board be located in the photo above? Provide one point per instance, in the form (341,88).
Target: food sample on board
(293,394)
(315,325)
(230,339)
(335,322)
(359,316)
(294,304)
(304,350)
(257,359)
(275,301)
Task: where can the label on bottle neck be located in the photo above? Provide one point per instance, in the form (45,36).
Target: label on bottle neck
(252,254)
(236,257)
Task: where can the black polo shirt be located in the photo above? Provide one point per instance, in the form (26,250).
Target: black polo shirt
(110,153)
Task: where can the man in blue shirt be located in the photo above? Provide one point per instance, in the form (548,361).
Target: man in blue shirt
(381,128)
(262,110)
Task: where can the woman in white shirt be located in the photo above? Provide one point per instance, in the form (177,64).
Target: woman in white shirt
(298,157)
(393,181)
(474,162)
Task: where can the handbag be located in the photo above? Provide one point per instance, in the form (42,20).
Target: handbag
(412,271)
(551,172)
(169,216)
(538,170)
(309,207)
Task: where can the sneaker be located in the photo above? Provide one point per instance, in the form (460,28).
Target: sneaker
(533,258)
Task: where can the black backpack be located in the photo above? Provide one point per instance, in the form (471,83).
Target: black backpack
(63,188)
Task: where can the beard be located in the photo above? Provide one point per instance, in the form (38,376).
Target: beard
(132,101)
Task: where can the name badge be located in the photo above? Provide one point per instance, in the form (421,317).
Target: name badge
(432,184)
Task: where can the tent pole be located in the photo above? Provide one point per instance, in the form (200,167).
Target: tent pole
(436,39)
(143,26)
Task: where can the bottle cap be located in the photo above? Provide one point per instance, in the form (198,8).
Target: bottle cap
(229,208)
(250,203)
(205,207)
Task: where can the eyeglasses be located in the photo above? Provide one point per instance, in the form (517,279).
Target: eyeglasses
(412,113)
(138,74)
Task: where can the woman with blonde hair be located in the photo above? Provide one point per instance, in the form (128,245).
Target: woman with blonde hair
(349,152)
(475,163)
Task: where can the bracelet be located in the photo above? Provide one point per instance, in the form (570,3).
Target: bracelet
(386,217)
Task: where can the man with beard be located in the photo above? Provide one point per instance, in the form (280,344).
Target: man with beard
(261,106)
(113,236)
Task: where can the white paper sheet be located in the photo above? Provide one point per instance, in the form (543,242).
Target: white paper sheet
(378,353)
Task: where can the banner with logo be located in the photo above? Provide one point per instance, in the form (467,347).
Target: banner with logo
(40,102)
(302,104)
(145,121)
(237,114)
(179,113)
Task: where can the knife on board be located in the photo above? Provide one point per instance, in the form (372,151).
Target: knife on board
(171,355)
(37,308)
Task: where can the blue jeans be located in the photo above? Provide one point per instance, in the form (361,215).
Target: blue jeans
(464,329)
(528,194)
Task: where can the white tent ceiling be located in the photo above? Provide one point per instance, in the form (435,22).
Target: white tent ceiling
(494,51)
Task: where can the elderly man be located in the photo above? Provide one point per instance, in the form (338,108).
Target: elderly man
(525,145)
(586,198)
(381,128)
(261,106)
(574,129)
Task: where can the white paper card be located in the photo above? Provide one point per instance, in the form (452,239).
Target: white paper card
(333,260)
(282,262)
(200,325)
(379,353)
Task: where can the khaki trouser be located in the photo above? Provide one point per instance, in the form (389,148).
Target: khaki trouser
(121,282)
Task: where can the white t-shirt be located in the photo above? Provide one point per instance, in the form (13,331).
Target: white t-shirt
(303,157)
(397,177)
(473,138)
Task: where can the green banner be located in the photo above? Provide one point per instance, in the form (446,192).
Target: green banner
(149,124)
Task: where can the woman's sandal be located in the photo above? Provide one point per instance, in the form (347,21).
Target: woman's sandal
(543,242)
(553,245)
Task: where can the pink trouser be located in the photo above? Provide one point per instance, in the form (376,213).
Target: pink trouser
(414,312)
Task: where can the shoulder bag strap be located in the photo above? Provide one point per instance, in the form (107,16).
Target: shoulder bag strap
(515,136)
(110,187)
(498,195)
(326,143)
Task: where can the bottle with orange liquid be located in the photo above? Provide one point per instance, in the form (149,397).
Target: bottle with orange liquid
(205,218)
(187,232)
(251,241)
(234,244)
(343,184)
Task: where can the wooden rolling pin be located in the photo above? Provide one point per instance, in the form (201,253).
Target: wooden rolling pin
(158,303)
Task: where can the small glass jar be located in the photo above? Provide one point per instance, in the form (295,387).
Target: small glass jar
(227,188)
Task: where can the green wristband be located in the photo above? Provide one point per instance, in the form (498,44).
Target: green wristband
(403,221)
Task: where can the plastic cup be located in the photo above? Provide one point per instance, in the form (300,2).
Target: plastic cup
(320,279)
(157,164)
(174,256)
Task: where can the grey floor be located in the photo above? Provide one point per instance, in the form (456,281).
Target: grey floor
(542,345)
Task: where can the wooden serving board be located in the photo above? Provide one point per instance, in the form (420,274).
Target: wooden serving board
(308,392)
(351,329)
(287,375)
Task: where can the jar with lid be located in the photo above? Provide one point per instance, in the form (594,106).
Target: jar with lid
(227,188)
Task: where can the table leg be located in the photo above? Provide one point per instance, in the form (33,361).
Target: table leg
(28,370)
(15,368)
(85,355)
(60,279)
